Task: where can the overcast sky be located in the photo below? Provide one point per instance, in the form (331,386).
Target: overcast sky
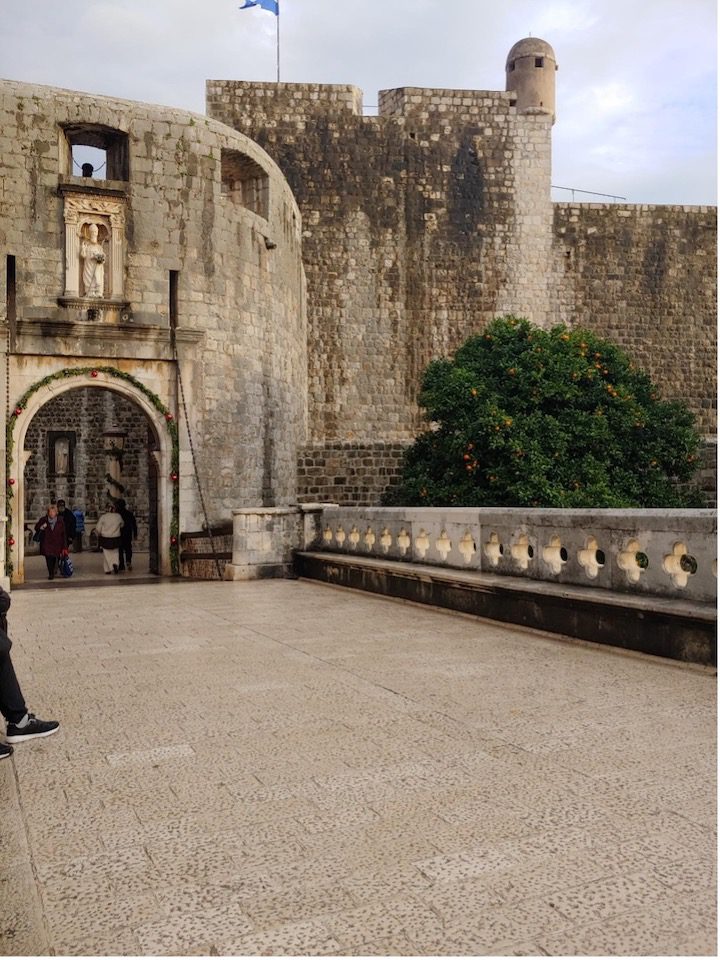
(636,96)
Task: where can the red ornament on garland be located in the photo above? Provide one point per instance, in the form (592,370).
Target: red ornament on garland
(11,541)
(173,476)
(11,481)
(93,373)
(18,411)
(173,540)
(169,417)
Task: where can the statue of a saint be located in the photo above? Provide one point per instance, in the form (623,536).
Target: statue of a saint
(62,456)
(92,256)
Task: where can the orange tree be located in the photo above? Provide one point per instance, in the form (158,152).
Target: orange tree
(522,416)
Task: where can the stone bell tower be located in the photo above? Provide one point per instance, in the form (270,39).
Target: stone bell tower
(530,73)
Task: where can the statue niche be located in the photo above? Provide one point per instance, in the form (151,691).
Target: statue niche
(94,253)
(92,259)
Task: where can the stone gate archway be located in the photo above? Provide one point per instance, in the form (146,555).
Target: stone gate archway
(166,472)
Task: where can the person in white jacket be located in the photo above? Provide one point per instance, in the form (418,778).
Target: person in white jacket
(108,530)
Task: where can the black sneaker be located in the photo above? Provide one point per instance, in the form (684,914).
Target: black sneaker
(33,728)
(5,751)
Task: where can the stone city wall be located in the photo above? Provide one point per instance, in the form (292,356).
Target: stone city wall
(645,278)
(419,226)
(423,223)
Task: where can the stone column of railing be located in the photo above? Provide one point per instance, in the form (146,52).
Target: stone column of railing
(264,539)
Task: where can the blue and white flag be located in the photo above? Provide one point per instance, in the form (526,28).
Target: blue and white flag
(272,6)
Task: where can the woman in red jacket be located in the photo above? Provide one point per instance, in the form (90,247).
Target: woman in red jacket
(52,538)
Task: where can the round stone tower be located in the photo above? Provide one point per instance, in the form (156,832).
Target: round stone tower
(530,72)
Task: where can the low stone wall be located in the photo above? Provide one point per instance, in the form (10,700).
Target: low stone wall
(660,553)
(356,474)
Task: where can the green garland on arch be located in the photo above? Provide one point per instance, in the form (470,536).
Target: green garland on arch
(154,399)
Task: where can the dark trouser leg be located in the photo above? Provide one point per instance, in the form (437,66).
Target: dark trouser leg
(125,555)
(51,563)
(12,704)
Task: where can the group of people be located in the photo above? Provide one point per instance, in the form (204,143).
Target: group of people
(116,529)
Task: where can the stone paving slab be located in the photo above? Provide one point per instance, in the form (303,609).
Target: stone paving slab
(285,768)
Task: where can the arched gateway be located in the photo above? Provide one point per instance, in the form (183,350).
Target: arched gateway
(179,266)
(163,428)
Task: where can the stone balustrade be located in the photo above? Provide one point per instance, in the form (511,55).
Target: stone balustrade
(666,553)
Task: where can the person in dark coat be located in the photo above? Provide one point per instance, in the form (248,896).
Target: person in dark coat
(127,535)
(21,724)
(52,538)
(69,522)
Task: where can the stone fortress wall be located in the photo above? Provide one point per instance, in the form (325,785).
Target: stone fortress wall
(419,226)
(645,277)
(205,244)
(424,222)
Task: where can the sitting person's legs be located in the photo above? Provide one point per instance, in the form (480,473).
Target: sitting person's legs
(21,724)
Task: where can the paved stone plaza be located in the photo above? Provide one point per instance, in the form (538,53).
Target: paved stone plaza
(281,767)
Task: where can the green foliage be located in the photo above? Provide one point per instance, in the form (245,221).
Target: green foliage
(560,418)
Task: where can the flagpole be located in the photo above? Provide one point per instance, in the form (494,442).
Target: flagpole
(277,27)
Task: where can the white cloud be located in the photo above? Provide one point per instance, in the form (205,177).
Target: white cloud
(636,86)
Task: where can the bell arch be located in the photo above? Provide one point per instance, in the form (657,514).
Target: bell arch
(101,379)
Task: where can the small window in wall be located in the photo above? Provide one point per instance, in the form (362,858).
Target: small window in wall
(245,182)
(10,294)
(512,66)
(96,152)
(61,453)
(173,298)
(539,61)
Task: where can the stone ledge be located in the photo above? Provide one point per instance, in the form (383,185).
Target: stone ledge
(678,630)
(99,331)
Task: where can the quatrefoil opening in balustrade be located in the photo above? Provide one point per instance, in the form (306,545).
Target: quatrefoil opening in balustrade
(386,540)
(467,547)
(403,541)
(680,564)
(555,555)
(591,558)
(369,538)
(493,549)
(522,551)
(633,560)
(327,535)
(422,543)
(340,535)
(354,537)
(443,545)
